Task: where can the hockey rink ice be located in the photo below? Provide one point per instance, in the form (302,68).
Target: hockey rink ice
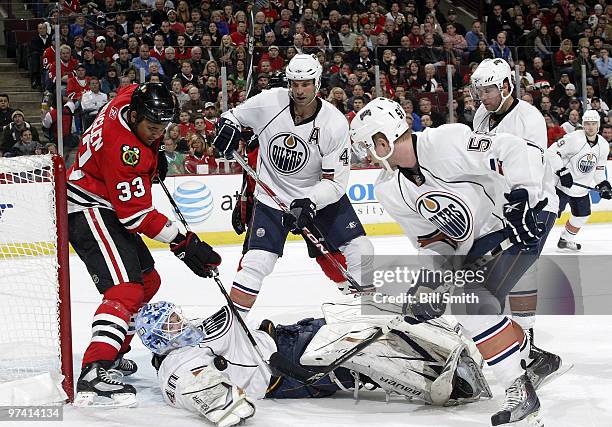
(580,398)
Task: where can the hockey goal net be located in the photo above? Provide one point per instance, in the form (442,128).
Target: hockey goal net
(35,336)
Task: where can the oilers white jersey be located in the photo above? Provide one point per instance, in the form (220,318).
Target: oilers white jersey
(585,161)
(526,122)
(224,337)
(294,158)
(462,197)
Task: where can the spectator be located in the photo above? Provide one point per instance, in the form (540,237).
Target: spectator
(103,53)
(122,62)
(538,72)
(239,74)
(6,111)
(37,46)
(92,101)
(158,50)
(201,159)
(182,145)
(93,67)
(525,76)
(500,50)
(570,93)
(195,105)
(604,65)
(25,146)
(415,37)
(211,88)
(414,78)
(113,41)
(176,160)
(337,97)
(575,29)
(51,148)
(451,17)
(481,53)
(49,123)
(157,72)
(186,127)
(67,66)
(584,58)
(606,132)
(77,48)
(78,83)
(474,36)
(527,98)
(12,132)
(553,130)
(426,121)
(211,120)
(573,122)
(457,40)
(498,21)
(177,89)
(144,59)
(546,107)
(170,64)
(596,104)
(346,37)
(425,109)
(110,82)
(429,54)
(565,56)
(175,25)
(543,43)
(466,116)
(431,84)
(358,104)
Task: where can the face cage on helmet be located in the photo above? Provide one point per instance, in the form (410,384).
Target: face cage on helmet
(370,146)
(165,336)
(500,87)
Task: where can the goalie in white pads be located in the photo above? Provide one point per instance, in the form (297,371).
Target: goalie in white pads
(208,366)
(442,187)
(580,160)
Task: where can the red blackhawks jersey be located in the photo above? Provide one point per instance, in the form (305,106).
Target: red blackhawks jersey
(114,169)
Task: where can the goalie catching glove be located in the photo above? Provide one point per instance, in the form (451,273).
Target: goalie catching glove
(228,137)
(524,226)
(199,256)
(211,394)
(605,191)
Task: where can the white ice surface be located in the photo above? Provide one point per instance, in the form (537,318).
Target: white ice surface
(580,398)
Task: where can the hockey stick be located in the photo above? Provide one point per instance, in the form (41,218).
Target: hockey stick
(307,233)
(215,276)
(258,4)
(577,184)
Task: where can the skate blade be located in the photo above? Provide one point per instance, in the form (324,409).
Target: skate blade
(532,420)
(561,371)
(92,400)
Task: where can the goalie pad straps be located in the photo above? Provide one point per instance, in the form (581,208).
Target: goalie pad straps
(211,394)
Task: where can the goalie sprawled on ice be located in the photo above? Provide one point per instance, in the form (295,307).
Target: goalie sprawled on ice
(209,367)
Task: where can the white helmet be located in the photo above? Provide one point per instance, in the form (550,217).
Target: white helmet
(304,67)
(379,115)
(492,72)
(591,116)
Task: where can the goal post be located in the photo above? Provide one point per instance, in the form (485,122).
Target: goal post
(35,323)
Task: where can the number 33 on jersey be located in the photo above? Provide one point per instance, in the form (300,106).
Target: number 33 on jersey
(114,169)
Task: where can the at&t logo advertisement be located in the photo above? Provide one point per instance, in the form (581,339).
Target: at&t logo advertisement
(195,201)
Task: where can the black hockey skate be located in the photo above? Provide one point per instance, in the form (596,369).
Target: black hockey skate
(97,387)
(566,244)
(521,403)
(545,366)
(268,327)
(125,366)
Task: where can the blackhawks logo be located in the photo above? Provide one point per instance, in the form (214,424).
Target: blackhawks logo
(130,156)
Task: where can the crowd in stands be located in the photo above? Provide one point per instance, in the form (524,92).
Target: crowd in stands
(107,45)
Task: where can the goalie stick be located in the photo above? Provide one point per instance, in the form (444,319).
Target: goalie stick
(215,276)
(305,230)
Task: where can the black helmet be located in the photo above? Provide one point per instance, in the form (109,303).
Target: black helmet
(154,102)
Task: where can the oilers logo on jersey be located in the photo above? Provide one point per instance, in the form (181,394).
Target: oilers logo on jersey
(587,163)
(287,153)
(447,213)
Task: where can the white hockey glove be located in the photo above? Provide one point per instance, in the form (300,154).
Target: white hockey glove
(212,394)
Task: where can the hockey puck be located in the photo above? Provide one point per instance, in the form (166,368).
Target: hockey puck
(220,363)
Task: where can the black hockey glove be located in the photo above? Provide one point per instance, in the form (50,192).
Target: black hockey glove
(605,191)
(524,227)
(241,215)
(199,256)
(565,177)
(162,166)
(425,300)
(301,214)
(228,137)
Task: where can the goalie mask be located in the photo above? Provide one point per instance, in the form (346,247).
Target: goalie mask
(162,328)
(381,115)
(490,76)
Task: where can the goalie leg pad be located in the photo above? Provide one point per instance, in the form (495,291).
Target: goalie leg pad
(211,394)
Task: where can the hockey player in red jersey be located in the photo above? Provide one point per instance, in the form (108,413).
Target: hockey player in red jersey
(110,205)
